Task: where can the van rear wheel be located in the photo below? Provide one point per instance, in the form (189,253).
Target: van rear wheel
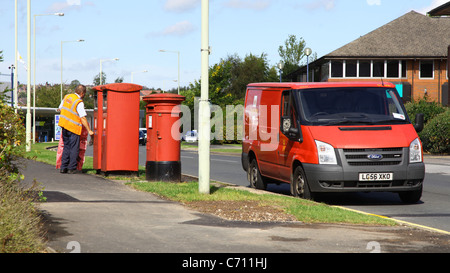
(254,176)
(299,185)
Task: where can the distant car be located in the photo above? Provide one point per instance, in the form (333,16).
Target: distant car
(142,137)
(191,136)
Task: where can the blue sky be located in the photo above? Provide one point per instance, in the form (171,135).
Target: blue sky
(135,30)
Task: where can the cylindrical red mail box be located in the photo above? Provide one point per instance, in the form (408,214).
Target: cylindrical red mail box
(118,123)
(163,137)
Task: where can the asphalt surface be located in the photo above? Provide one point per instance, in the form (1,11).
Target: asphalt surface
(90,214)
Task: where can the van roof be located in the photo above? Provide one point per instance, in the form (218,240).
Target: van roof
(305,85)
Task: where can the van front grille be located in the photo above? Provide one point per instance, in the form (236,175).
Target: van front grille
(374,157)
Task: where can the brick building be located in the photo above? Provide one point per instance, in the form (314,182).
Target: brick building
(411,52)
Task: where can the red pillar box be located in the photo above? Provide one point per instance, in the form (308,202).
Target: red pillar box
(163,142)
(98,127)
(117,133)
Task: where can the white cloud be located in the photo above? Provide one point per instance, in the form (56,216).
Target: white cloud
(374,2)
(321,4)
(248,4)
(179,29)
(181,5)
(68,5)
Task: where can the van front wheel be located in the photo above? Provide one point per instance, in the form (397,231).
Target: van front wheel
(254,176)
(299,184)
(411,197)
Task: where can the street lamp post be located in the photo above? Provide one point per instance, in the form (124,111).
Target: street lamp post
(28,115)
(308,52)
(62,42)
(132,73)
(204,111)
(101,78)
(280,66)
(178,53)
(15,60)
(34,69)
(12,67)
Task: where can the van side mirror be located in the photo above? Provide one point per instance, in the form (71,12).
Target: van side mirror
(290,131)
(419,123)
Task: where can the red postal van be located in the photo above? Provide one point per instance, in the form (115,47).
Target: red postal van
(332,137)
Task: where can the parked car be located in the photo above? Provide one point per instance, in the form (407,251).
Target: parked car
(142,136)
(191,136)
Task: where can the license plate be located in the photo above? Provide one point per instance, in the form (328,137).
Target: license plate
(376,176)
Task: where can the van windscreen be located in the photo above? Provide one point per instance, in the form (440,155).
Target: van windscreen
(351,106)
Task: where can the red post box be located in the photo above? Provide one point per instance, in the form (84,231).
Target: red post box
(117,128)
(163,137)
(98,128)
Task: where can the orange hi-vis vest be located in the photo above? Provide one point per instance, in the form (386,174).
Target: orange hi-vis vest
(69,118)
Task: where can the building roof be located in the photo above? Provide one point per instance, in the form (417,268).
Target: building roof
(412,35)
(442,10)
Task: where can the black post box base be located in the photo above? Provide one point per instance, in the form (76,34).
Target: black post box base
(166,171)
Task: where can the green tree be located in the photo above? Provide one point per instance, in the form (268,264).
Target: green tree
(74,84)
(97,79)
(252,69)
(292,53)
(49,95)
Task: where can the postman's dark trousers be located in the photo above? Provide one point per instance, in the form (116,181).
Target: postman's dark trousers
(71,149)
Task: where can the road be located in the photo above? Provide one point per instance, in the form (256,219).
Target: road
(433,210)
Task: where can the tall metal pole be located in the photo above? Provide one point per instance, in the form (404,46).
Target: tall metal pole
(28,116)
(178,72)
(204,111)
(16,83)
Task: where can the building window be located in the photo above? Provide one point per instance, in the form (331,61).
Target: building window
(351,69)
(378,69)
(337,69)
(426,70)
(364,69)
(368,69)
(393,69)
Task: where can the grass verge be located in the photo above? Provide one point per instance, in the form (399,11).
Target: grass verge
(303,210)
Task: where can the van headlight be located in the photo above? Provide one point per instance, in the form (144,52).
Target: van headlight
(415,151)
(326,153)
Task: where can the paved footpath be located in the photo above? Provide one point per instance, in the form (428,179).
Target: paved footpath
(90,214)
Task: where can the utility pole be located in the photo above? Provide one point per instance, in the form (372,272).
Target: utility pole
(204,111)
(16,83)
(28,116)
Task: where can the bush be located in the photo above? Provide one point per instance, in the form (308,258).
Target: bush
(20,220)
(430,109)
(436,134)
(12,138)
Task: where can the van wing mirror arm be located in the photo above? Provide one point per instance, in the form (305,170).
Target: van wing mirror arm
(419,122)
(296,134)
